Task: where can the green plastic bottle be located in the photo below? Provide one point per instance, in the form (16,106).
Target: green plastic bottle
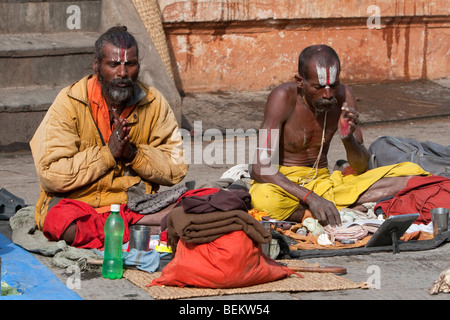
(112,267)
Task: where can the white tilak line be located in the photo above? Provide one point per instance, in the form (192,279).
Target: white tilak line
(119,56)
(322,75)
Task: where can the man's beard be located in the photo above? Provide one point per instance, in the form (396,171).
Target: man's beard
(322,105)
(117,94)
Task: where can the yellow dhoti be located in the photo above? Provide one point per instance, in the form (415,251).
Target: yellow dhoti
(343,191)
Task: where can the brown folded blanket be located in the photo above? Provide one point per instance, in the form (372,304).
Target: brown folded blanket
(207,227)
(222,200)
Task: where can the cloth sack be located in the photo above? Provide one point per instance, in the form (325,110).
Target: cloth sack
(231,261)
(431,156)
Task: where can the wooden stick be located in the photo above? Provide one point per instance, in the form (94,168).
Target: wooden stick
(330,269)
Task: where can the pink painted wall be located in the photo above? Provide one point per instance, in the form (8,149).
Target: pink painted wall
(252,45)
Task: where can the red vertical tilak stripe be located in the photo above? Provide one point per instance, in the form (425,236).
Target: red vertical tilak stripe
(328,76)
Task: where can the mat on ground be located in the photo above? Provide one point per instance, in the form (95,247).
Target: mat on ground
(311,281)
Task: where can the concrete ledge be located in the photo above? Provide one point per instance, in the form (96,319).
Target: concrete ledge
(27,99)
(52,59)
(21,112)
(219,10)
(18,128)
(46,44)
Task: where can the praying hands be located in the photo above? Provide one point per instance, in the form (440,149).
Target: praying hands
(119,142)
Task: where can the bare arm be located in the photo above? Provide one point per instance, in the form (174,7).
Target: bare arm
(351,134)
(277,110)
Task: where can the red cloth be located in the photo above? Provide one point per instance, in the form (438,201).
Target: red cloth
(420,196)
(163,236)
(198,192)
(90,224)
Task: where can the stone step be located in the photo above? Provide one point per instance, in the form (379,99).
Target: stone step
(27,99)
(21,111)
(50,59)
(21,16)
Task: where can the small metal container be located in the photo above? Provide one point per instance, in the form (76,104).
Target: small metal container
(439,217)
(139,238)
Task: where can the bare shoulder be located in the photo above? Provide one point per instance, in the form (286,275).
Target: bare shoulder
(348,95)
(285,90)
(282,99)
(347,89)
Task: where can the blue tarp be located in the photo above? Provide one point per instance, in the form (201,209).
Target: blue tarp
(20,269)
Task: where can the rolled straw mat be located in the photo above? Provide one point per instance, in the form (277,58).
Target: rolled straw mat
(312,281)
(150,15)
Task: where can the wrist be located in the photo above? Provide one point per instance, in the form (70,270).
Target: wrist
(131,154)
(306,196)
(348,139)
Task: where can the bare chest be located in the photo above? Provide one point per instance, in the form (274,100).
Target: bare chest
(304,133)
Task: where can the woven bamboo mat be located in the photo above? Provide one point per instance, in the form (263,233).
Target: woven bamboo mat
(312,281)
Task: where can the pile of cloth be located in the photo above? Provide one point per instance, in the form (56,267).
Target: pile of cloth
(202,219)
(206,232)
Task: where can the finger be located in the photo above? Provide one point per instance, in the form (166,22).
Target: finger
(353,113)
(352,124)
(115,123)
(345,106)
(348,110)
(333,216)
(336,217)
(322,218)
(123,122)
(120,135)
(346,113)
(331,220)
(353,119)
(125,134)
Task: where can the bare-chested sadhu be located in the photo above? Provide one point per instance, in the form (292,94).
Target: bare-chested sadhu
(291,173)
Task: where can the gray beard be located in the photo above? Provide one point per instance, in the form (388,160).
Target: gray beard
(119,95)
(322,105)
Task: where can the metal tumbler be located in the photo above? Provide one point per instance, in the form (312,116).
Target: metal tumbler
(439,217)
(139,238)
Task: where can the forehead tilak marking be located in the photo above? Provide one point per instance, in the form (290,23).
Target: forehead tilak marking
(121,55)
(326,75)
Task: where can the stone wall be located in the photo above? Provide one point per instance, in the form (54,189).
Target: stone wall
(250,45)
